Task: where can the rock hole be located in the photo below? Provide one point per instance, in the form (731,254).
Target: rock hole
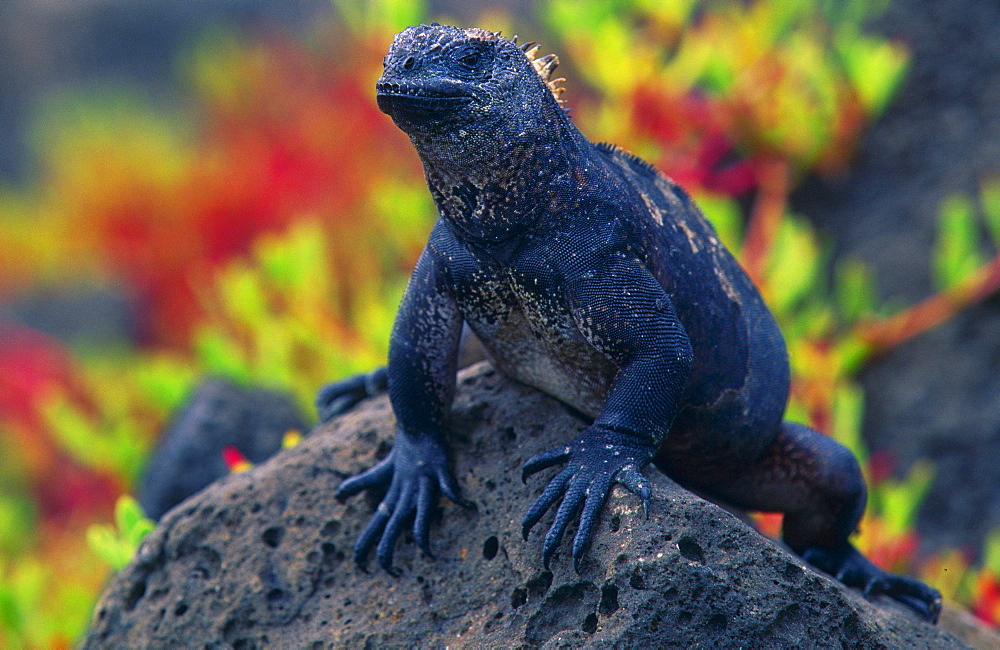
(609,600)
(275,595)
(135,593)
(490,547)
(691,550)
(793,572)
(636,580)
(330,556)
(272,536)
(717,623)
(616,523)
(564,609)
(180,609)
(490,485)
(538,585)
(518,597)
(590,623)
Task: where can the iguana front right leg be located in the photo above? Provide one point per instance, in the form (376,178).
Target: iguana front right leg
(421,381)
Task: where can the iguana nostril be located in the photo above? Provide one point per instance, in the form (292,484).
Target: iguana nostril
(409,63)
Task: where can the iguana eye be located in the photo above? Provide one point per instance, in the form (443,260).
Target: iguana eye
(470,59)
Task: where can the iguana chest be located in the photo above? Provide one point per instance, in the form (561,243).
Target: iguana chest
(525,325)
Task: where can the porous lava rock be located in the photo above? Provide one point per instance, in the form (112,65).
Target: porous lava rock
(263,559)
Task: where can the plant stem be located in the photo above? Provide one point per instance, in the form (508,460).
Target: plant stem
(885,334)
(768,211)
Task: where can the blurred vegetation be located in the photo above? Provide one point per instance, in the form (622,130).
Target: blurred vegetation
(266,233)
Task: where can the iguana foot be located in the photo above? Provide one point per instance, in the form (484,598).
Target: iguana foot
(415,470)
(853,569)
(597,459)
(340,397)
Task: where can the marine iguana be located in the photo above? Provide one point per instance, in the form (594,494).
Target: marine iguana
(591,276)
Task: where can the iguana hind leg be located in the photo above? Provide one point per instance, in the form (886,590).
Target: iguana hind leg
(817,484)
(339,397)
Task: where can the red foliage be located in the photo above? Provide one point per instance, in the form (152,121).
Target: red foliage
(697,152)
(986,605)
(34,367)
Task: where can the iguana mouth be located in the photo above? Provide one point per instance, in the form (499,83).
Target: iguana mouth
(419,98)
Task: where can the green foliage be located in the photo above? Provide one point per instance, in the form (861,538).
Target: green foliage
(896,501)
(956,255)
(991,552)
(375,16)
(848,416)
(25,592)
(112,443)
(117,545)
(875,67)
(274,322)
(854,291)
(794,265)
(725,216)
(786,80)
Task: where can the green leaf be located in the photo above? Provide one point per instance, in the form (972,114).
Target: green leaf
(956,254)
(852,353)
(874,66)
(848,414)
(991,551)
(242,295)
(116,547)
(76,432)
(128,513)
(107,545)
(793,264)
(724,215)
(854,291)
(220,355)
(898,501)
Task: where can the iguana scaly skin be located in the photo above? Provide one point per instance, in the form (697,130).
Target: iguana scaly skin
(589,275)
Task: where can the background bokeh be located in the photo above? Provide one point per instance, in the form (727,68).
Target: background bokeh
(208,189)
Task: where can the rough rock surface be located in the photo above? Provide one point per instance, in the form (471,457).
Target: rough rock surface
(262,559)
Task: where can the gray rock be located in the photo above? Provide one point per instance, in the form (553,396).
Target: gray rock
(188,457)
(263,559)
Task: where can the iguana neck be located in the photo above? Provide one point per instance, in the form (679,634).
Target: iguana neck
(494,191)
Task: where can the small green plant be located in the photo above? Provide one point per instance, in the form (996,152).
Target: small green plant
(117,544)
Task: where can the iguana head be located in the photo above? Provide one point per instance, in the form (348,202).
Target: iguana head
(440,80)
